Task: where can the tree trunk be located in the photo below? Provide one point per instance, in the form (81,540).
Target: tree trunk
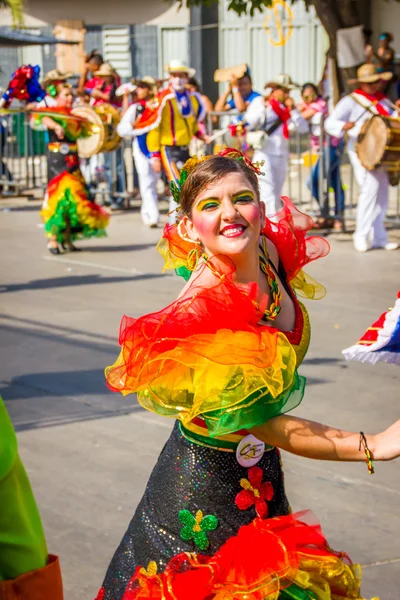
(339,14)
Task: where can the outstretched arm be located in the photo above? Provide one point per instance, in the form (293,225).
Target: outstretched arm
(321,442)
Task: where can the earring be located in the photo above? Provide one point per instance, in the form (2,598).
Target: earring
(192,259)
(184,237)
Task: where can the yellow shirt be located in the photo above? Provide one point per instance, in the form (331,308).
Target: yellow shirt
(174,128)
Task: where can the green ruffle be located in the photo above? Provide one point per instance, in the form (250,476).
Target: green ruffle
(66,216)
(255,410)
(294,592)
(183,272)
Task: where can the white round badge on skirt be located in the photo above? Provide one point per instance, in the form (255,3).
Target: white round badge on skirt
(250,451)
(64,148)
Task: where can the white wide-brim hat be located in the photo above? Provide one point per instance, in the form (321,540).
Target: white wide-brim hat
(176,65)
(282,81)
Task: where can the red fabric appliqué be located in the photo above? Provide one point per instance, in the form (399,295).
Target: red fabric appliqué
(101,594)
(255,492)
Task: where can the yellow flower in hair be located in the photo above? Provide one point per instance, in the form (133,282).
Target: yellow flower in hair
(193,162)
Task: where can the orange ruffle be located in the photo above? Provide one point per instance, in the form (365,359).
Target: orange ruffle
(204,352)
(262,560)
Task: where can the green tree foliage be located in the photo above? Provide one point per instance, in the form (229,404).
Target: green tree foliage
(17,10)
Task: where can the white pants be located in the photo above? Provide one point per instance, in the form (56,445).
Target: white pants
(147,186)
(372,204)
(271,183)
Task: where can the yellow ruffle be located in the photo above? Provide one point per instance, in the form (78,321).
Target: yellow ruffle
(306,287)
(208,372)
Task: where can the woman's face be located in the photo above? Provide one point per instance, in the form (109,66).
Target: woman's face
(279,94)
(226,217)
(309,95)
(65,98)
(142,92)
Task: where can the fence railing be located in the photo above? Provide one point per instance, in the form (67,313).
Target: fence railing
(23,167)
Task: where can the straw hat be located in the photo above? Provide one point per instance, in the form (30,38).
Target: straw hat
(105,70)
(125,88)
(55,75)
(368,73)
(283,81)
(177,65)
(146,81)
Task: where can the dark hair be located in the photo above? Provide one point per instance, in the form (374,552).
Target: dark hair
(247,74)
(193,81)
(209,172)
(95,58)
(313,86)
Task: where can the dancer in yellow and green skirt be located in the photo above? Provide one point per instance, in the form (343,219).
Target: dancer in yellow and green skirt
(68,211)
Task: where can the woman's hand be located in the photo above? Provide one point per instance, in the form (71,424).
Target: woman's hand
(156,164)
(59,131)
(289,103)
(387,444)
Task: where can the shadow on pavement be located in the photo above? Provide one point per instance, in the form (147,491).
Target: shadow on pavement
(73,280)
(48,336)
(322,361)
(126,248)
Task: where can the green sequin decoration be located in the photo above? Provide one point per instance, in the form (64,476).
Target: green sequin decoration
(195,528)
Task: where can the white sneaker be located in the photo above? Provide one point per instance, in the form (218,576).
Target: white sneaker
(391,246)
(361,245)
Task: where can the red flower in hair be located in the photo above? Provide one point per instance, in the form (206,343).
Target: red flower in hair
(255,492)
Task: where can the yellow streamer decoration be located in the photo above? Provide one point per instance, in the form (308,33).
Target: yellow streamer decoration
(279,9)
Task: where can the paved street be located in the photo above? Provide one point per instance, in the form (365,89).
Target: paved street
(89,452)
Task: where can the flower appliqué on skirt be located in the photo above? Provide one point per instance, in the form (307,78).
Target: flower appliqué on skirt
(195,528)
(255,492)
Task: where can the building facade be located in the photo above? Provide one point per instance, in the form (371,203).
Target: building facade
(139,37)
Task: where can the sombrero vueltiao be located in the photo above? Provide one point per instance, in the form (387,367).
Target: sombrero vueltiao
(381,341)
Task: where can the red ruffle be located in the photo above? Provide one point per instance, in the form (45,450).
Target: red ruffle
(288,232)
(260,560)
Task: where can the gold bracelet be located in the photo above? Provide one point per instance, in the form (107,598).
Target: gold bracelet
(368,455)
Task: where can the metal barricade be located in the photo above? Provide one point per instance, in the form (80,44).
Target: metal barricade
(22,155)
(23,167)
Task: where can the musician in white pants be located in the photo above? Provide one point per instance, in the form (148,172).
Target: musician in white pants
(348,116)
(147,176)
(275,115)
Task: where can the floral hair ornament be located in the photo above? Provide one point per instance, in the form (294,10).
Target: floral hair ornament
(178,250)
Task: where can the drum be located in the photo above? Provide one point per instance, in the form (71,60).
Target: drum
(104,136)
(378,144)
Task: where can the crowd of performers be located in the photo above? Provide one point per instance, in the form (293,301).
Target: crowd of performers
(163,118)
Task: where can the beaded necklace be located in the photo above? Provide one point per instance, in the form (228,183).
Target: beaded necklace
(274,309)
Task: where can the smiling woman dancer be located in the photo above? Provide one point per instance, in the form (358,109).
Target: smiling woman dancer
(214,521)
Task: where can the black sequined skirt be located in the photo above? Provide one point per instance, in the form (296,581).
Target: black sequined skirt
(188,476)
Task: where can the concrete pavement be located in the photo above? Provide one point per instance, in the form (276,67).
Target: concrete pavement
(89,452)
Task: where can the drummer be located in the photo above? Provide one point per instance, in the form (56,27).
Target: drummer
(104,92)
(348,116)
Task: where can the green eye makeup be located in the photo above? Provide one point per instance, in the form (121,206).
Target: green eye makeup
(208,204)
